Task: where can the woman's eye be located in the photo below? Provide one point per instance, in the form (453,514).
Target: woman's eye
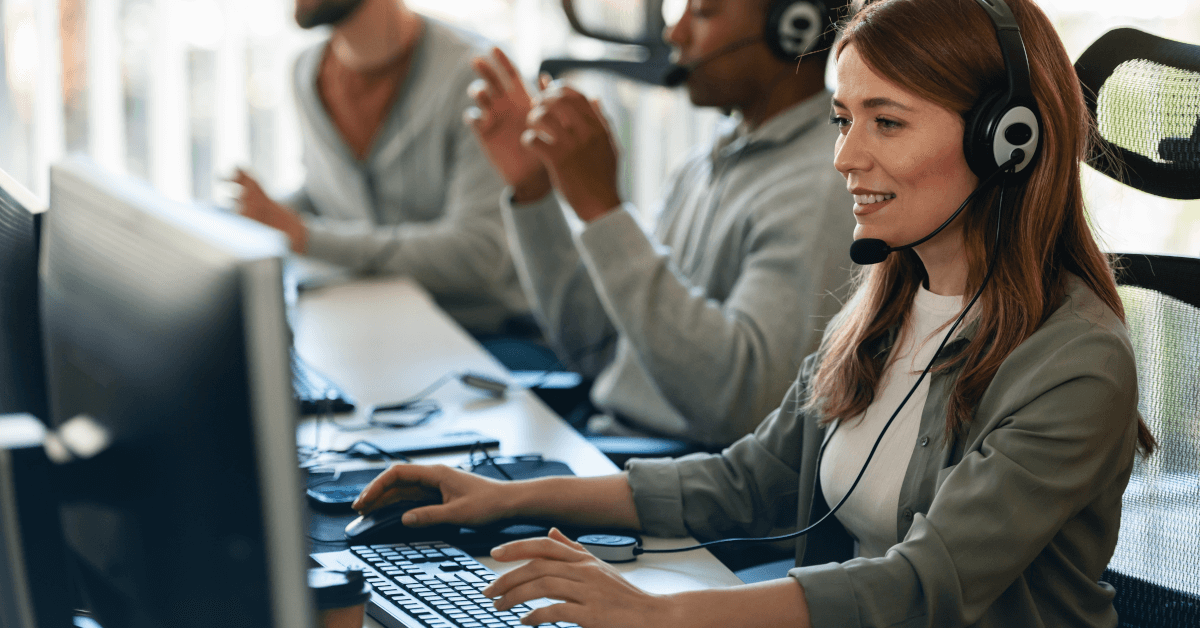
(839,121)
(886,124)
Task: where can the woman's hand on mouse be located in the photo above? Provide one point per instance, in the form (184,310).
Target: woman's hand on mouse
(467,499)
(593,593)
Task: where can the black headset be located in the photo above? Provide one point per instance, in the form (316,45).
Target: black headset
(795,27)
(792,28)
(1004,119)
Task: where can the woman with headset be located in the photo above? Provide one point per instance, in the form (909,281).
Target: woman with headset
(971,418)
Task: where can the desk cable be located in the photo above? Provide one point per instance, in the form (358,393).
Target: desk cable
(419,409)
(315,455)
(488,460)
(418,406)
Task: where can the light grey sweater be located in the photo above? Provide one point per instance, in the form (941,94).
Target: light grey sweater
(423,202)
(712,314)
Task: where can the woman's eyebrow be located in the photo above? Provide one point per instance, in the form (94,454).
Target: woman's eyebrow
(876,103)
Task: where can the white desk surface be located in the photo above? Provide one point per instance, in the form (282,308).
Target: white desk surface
(384,340)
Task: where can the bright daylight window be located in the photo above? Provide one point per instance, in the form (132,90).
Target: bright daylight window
(179,92)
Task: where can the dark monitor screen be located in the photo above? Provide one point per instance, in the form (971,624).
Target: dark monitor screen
(34,583)
(22,382)
(168,379)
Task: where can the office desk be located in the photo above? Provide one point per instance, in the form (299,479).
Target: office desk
(385,340)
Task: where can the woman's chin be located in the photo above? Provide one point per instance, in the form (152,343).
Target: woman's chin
(862,231)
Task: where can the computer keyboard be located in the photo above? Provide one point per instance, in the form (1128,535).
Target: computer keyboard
(426,585)
(316,393)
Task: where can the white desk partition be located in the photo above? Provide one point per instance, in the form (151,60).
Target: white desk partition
(385,340)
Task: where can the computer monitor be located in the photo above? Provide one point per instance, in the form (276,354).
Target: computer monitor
(168,377)
(35,587)
(22,384)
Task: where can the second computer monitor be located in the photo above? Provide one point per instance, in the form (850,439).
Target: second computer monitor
(22,386)
(167,358)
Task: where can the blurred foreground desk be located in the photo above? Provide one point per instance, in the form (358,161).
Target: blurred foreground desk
(385,340)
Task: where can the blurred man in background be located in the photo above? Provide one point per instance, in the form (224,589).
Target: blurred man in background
(394,183)
(695,331)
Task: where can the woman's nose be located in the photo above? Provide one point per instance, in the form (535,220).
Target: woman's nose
(849,153)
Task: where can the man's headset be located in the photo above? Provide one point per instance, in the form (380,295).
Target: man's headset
(1001,138)
(792,28)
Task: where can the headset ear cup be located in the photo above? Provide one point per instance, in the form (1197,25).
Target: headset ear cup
(794,27)
(978,133)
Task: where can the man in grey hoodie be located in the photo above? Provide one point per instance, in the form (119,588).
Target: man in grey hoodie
(714,310)
(394,183)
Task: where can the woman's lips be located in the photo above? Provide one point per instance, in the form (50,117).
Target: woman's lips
(870,208)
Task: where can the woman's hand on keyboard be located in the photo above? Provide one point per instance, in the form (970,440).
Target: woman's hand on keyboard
(467,499)
(593,593)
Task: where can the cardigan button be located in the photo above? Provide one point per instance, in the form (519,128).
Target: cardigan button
(925,441)
(908,514)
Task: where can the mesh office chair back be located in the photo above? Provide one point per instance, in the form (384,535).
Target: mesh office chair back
(1156,567)
(1144,94)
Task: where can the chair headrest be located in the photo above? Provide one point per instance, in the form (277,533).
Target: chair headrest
(1143,92)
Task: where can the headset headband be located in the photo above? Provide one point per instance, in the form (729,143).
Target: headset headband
(1004,120)
(1012,48)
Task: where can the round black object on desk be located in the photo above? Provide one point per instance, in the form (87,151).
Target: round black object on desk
(338,589)
(610,548)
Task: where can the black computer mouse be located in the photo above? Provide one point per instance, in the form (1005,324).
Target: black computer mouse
(383,525)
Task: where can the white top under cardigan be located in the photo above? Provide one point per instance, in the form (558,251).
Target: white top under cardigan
(870,513)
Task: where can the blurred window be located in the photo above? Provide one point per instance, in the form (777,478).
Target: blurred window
(180,92)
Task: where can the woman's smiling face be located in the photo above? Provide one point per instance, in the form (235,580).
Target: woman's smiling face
(902,158)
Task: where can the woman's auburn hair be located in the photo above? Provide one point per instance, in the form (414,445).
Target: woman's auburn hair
(946,51)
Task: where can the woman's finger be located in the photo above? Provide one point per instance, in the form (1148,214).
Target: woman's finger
(543,547)
(398,476)
(399,493)
(531,571)
(557,535)
(563,611)
(551,587)
(432,515)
